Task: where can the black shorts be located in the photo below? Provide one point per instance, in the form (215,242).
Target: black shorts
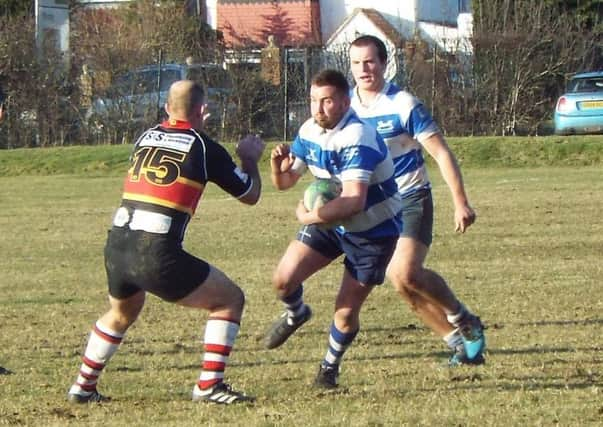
(365,259)
(417,216)
(137,260)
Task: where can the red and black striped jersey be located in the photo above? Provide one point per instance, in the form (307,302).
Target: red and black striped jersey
(170,166)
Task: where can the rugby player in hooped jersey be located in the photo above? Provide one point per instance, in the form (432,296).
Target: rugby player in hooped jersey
(334,143)
(170,166)
(408,128)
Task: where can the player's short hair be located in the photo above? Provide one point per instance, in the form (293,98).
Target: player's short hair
(185,96)
(333,78)
(375,41)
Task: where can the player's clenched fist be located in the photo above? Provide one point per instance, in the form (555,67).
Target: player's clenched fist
(250,148)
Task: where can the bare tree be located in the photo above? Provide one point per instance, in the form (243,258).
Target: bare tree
(523,50)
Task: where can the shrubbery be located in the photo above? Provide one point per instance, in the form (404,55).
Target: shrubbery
(522,55)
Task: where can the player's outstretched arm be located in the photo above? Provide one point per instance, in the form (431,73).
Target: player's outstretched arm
(250,150)
(464,215)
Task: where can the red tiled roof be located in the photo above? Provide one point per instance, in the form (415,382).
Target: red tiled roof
(249,23)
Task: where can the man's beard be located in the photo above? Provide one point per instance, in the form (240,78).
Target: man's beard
(323,121)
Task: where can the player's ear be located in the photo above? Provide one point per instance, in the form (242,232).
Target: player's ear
(347,101)
(166,107)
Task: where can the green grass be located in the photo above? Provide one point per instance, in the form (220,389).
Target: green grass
(530,267)
(471,151)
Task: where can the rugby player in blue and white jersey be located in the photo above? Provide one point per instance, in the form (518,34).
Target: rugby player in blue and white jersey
(407,127)
(335,144)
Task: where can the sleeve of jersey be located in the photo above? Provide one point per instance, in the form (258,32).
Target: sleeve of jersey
(357,162)
(420,124)
(223,171)
(298,149)
(299,152)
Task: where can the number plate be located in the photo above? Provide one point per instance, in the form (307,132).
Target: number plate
(587,105)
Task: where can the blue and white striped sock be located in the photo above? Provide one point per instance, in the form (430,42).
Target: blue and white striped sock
(338,344)
(294,304)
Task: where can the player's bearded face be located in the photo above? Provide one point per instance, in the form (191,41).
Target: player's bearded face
(327,105)
(367,69)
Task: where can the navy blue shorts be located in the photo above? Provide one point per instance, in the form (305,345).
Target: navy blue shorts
(365,259)
(417,216)
(137,260)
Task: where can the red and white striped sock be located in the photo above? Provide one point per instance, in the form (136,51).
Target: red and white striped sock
(220,335)
(102,344)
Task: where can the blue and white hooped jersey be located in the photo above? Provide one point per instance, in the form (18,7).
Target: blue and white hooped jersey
(403,122)
(353,151)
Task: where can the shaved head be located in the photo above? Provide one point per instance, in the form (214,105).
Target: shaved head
(185,98)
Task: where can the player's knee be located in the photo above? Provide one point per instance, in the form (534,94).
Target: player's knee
(280,284)
(123,318)
(238,300)
(406,280)
(346,318)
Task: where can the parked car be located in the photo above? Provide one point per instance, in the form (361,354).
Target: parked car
(135,99)
(580,108)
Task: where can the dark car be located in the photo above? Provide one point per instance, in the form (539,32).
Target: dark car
(580,108)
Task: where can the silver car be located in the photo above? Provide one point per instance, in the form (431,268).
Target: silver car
(137,97)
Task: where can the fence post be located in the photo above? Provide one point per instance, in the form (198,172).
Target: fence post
(159,64)
(285,93)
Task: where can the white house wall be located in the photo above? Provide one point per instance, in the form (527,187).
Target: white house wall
(211,7)
(401,14)
(446,38)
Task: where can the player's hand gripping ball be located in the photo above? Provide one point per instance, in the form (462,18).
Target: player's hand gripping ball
(320,191)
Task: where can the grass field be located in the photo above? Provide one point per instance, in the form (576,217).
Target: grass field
(530,267)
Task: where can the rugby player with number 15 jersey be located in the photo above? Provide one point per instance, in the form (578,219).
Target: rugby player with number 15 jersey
(170,166)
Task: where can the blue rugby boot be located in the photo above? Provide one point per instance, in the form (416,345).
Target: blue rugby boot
(471,352)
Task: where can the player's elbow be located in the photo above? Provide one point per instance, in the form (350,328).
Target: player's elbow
(252,196)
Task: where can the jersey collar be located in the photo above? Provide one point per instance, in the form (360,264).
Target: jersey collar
(374,101)
(176,124)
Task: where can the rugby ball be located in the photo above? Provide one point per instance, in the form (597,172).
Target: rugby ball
(320,191)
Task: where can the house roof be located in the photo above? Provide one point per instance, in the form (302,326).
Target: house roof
(292,23)
(376,19)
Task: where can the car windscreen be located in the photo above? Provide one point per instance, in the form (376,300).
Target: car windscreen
(210,77)
(591,84)
(167,78)
(144,82)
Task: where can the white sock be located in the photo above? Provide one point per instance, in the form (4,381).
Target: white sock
(102,344)
(220,335)
(455,318)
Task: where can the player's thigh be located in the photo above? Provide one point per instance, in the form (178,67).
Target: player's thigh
(216,292)
(124,311)
(298,263)
(409,256)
